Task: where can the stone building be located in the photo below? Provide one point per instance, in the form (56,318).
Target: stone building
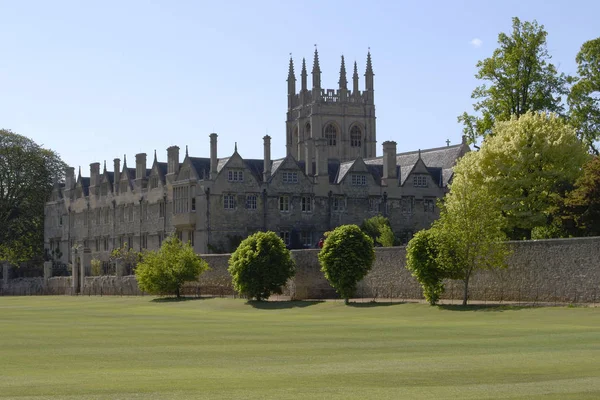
(329,177)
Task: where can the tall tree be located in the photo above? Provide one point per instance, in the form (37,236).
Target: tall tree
(520,77)
(584,98)
(527,164)
(471,235)
(27,175)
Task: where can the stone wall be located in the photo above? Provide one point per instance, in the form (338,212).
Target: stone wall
(561,270)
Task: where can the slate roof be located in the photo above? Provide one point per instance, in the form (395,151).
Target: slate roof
(439,161)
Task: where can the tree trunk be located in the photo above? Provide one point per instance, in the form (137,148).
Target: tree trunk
(466,293)
(177,293)
(346,301)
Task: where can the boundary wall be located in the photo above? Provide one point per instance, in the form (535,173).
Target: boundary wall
(556,270)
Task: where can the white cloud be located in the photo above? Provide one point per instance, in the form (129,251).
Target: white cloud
(476,42)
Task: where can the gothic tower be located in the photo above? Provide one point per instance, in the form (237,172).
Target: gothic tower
(344,118)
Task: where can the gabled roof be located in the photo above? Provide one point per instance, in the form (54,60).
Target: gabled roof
(440,158)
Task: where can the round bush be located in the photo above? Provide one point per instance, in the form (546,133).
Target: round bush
(261,265)
(347,256)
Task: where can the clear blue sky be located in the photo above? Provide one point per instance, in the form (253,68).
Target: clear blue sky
(96,80)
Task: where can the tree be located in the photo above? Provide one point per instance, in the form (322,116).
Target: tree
(422,259)
(164,271)
(346,258)
(261,265)
(527,165)
(470,234)
(520,77)
(581,211)
(28,173)
(379,230)
(128,256)
(584,98)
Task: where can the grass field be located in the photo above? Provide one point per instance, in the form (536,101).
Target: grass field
(136,348)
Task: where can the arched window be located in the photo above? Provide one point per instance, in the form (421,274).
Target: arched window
(307,130)
(331,134)
(355,136)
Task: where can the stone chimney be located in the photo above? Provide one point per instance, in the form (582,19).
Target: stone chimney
(321,158)
(94,174)
(172,160)
(308,157)
(213,156)
(69,178)
(389,161)
(117,174)
(140,166)
(267,158)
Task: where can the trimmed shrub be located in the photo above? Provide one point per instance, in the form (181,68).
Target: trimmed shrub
(346,257)
(164,271)
(261,265)
(422,259)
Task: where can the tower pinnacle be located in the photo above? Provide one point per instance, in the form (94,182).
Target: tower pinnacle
(316,73)
(303,74)
(343,82)
(355,80)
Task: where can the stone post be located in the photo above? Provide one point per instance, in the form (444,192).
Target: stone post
(86,264)
(75,271)
(47,271)
(120,267)
(5,273)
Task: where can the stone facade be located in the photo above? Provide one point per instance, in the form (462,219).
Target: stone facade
(214,201)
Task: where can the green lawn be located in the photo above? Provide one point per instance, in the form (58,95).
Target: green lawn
(136,348)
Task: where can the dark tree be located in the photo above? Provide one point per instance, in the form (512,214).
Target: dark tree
(28,173)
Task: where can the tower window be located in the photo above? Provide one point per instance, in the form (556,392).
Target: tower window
(355,136)
(307,131)
(331,134)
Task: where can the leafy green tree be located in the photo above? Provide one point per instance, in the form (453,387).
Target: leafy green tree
(261,265)
(584,98)
(346,258)
(527,165)
(422,259)
(470,234)
(520,79)
(27,175)
(163,272)
(379,230)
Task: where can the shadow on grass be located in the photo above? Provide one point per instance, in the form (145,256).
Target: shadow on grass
(281,305)
(177,299)
(371,304)
(483,307)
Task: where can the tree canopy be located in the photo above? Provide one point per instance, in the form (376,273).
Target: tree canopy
(261,265)
(527,164)
(584,98)
(346,258)
(519,79)
(27,175)
(165,271)
(581,209)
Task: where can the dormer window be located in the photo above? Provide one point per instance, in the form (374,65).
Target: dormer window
(290,177)
(123,187)
(420,181)
(235,176)
(359,180)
